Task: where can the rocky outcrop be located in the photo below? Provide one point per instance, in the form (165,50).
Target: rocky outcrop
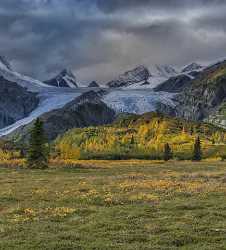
(174,84)
(86,110)
(15,102)
(65,79)
(136,75)
(204,95)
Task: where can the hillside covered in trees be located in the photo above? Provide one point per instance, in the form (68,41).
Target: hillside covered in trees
(141,136)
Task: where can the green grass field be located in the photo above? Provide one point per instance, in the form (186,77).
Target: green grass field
(114,205)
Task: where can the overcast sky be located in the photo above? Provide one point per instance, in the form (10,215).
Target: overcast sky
(99,39)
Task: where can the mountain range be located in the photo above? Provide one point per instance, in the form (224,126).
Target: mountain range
(194,92)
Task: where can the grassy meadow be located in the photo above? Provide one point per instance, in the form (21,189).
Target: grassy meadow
(114,205)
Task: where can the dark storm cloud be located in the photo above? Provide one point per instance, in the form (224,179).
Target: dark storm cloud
(99,38)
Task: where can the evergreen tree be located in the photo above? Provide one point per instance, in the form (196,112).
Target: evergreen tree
(191,131)
(38,149)
(197,153)
(132,140)
(167,152)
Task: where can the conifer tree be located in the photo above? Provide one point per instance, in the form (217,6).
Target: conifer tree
(132,140)
(167,152)
(197,153)
(38,149)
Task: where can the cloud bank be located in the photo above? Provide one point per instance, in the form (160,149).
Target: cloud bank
(98,39)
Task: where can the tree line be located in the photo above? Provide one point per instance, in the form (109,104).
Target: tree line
(38,151)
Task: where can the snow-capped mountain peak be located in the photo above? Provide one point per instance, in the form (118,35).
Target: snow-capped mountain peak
(192,67)
(65,79)
(136,75)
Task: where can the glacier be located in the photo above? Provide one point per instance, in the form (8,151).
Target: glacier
(130,101)
(137,101)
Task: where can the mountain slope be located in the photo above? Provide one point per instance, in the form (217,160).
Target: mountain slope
(205,94)
(65,79)
(141,136)
(174,84)
(15,102)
